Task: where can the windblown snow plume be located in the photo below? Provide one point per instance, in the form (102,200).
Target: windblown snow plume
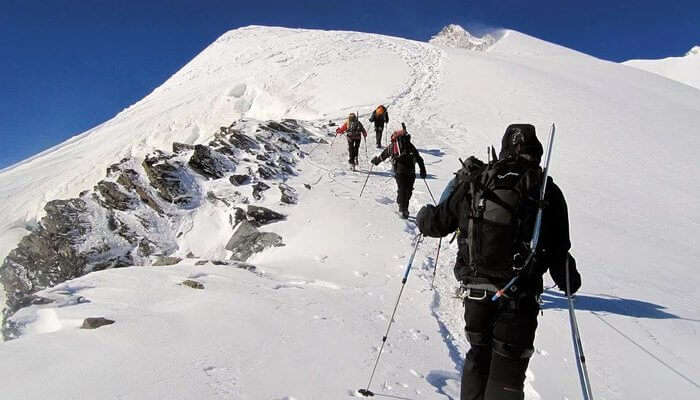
(455,36)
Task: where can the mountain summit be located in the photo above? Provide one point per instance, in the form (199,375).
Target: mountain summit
(455,36)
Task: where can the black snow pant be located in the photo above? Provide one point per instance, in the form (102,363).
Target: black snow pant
(404,183)
(501,335)
(379,129)
(353,150)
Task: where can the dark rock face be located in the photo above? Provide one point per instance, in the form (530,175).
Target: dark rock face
(165,260)
(262,216)
(113,197)
(172,181)
(95,322)
(193,284)
(247,240)
(182,147)
(289,194)
(238,180)
(130,215)
(210,163)
(258,188)
(47,256)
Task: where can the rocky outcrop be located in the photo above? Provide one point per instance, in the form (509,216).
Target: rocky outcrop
(193,284)
(259,216)
(135,211)
(95,322)
(248,240)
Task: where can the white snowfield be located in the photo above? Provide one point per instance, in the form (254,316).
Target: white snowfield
(309,322)
(684,69)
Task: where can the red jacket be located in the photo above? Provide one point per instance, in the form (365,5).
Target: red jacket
(352,135)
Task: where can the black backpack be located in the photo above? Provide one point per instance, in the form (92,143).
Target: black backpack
(501,214)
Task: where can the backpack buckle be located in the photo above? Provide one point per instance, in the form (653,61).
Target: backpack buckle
(476,294)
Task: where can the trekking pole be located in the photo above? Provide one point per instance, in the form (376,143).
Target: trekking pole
(368,174)
(366,392)
(366,156)
(578,345)
(332,142)
(538,222)
(437,257)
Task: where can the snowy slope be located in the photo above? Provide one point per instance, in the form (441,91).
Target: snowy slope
(307,324)
(684,69)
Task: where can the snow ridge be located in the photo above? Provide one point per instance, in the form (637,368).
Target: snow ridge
(693,52)
(457,37)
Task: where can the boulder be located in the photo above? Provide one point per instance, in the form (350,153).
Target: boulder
(289,194)
(247,240)
(166,260)
(261,216)
(96,322)
(210,163)
(193,284)
(240,179)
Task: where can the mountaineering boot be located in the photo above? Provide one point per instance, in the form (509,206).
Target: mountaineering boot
(404,214)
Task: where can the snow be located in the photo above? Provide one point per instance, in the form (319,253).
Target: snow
(309,321)
(684,69)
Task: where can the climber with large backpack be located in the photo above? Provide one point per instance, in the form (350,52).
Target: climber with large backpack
(380,116)
(355,132)
(494,208)
(404,157)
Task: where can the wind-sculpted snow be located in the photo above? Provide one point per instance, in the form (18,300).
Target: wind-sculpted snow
(135,216)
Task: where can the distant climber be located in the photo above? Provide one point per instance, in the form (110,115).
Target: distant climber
(380,116)
(493,207)
(404,157)
(355,131)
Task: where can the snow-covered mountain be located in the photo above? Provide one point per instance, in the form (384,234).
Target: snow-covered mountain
(684,69)
(456,36)
(304,320)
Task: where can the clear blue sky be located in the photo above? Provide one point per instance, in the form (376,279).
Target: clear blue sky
(67,66)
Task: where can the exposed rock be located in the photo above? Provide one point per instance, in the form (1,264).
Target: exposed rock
(240,179)
(190,255)
(306,185)
(237,264)
(166,260)
(210,163)
(170,179)
(289,194)
(243,142)
(201,262)
(247,240)
(129,179)
(238,215)
(261,215)
(182,147)
(114,198)
(96,322)
(193,284)
(47,256)
(266,172)
(213,197)
(258,188)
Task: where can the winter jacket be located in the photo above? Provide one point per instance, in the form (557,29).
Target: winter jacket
(403,160)
(383,119)
(354,135)
(553,244)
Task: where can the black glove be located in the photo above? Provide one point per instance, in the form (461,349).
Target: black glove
(423,174)
(376,160)
(574,277)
